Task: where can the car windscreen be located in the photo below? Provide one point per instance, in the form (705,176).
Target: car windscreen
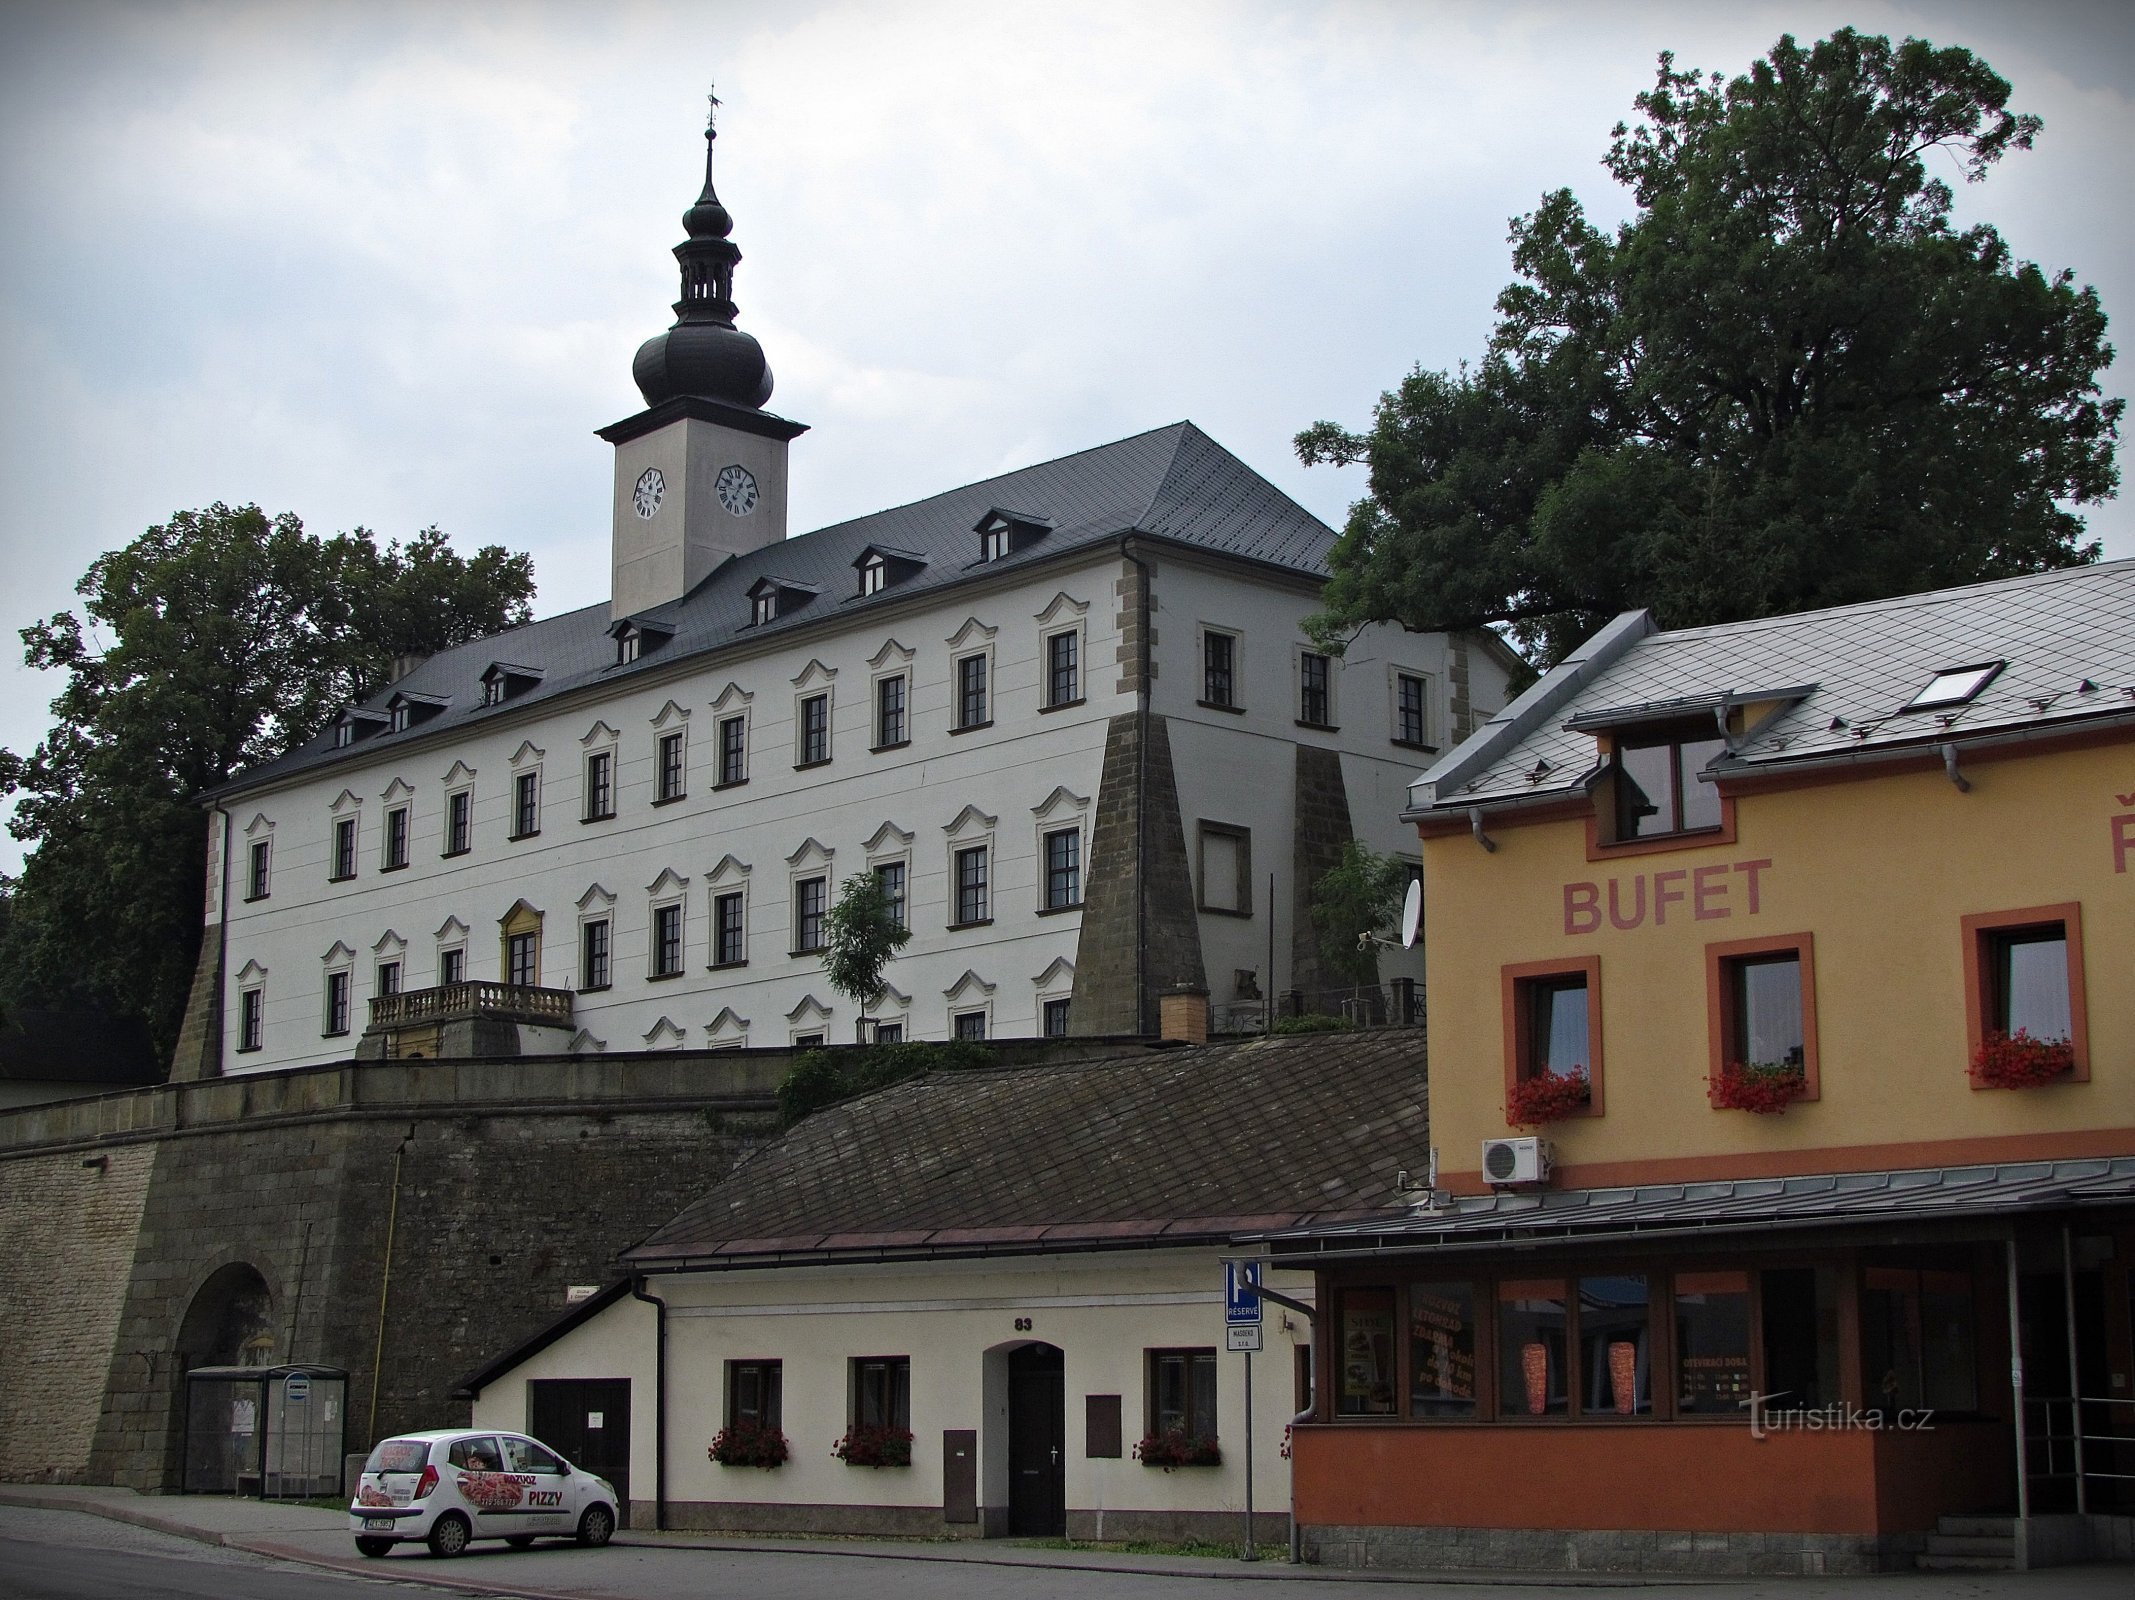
(399,1455)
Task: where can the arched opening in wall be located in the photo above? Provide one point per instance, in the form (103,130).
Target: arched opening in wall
(1023,1445)
(230,1322)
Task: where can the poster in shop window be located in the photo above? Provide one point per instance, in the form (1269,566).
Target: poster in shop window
(1368,1360)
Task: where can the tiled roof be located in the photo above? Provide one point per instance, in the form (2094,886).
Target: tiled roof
(2068,639)
(1159,1147)
(1172,483)
(1929,1194)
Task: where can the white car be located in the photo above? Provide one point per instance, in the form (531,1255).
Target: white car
(452,1485)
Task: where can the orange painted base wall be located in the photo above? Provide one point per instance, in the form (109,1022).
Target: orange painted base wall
(1661,1478)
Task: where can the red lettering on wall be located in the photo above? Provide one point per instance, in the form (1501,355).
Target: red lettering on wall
(1582,907)
(2123,839)
(1638,906)
(1708,888)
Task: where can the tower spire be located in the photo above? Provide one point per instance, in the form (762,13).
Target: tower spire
(703,353)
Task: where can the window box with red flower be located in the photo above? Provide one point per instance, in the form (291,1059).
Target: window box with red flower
(1767,1089)
(748,1444)
(1175,1448)
(2018,1061)
(873,1445)
(1548,1097)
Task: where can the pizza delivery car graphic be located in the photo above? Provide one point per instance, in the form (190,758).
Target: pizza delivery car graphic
(448,1487)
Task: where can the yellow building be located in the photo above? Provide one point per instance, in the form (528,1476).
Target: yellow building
(1782,999)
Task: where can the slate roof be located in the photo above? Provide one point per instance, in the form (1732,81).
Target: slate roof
(2068,639)
(1173,483)
(1157,1148)
(1569,1216)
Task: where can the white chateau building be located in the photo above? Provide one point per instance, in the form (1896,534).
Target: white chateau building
(1069,713)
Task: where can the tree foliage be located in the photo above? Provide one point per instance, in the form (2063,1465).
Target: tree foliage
(860,935)
(1785,382)
(1360,894)
(208,645)
(825,1077)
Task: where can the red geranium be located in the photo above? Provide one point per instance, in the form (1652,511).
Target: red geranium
(1767,1089)
(2021,1062)
(1548,1097)
(748,1444)
(1175,1448)
(870,1444)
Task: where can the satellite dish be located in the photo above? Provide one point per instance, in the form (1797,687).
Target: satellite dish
(1412,915)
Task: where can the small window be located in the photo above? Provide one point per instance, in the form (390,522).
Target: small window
(874,575)
(807,1041)
(1954,686)
(729,946)
(626,647)
(972,904)
(993,544)
(810,901)
(344,735)
(593,954)
(666,941)
(1182,1394)
(1056,1019)
(1656,787)
(972,710)
(882,1392)
(1226,876)
(1442,1350)
(1552,1013)
(492,692)
(396,838)
(733,751)
(1801,1337)
(397,717)
(1063,668)
(600,786)
(890,729)
(1410,724)
(1063,869)
(1315,694)
(388,977)
(251,1018)
(256,869)
(2024,975)
(452,965)
(670,779)
(1765,991)
(763,608)
(344,849)
(2028,975)
(522,960)
(814,731)
(890,874)
(526,805)
(459,821)
(1219,670)
(889,1033)
(753,1394)
(969,1025)
(337,987)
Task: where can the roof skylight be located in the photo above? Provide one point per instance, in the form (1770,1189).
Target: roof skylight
(1954,686)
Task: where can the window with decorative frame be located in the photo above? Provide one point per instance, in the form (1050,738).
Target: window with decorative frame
(973,708)
(973,901)
(344,861)
(526,804)
(1411,708)
(891,875)
(398,826)
(386,980)
(1054,1019)
(733,751)
(670,775)
(336,1019)
(1315,689)
(891,718)
(811,903)
(451,964)
(730,947)
(1219,669)
(968,1025)
(1063,869)
(812,722)
(459,822)
(600,786)
(251,1018)
(593,954)
(258,864)
(667,940)
(1063,668)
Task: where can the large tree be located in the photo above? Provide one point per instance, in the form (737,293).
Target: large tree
(1787,381)
(212,643)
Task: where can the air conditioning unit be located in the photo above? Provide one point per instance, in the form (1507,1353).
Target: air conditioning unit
(1507,1162)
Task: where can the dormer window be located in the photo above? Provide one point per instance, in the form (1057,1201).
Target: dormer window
(874,575)
(493,692)
(880,566)
(399,723)
(626,647)
(344,735)
(633,639)
(501,680)
(1954,686)
(763,607)
(406,710)
(356,725)
(1002,532)
(1654,775)
(770,598)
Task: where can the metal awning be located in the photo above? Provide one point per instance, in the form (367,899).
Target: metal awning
(1573,1217)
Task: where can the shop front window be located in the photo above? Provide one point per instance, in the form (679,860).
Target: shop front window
(1916,1340)
(1615,1348)
(1442,1350)
(1533,1321)
(1800,1338)
(1364,1362)
(1712,1343)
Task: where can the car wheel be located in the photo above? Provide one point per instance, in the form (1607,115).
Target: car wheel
(596,1527)
(520,1541)
(449,1535)
(373,1547)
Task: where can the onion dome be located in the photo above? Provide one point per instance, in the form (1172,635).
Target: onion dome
(704,354)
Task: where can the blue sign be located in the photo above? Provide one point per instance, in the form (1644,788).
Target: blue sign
(1241,1292)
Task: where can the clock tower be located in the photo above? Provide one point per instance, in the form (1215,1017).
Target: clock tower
(700,473)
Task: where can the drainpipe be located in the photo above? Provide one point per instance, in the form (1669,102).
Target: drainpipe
(2075,1383)
(385,1284)
(2016,1411)
(659,1402)
(1141,789)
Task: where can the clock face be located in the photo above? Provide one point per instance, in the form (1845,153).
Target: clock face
(646,496)
(736,487)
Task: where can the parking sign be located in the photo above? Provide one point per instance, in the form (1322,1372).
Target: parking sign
(1241,1293)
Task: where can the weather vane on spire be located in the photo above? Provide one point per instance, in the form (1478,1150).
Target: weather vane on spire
(711,115)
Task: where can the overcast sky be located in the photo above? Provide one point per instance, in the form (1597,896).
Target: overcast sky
(386,265)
